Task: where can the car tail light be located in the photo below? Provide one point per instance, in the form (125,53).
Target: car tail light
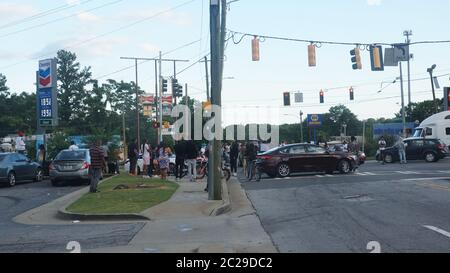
(441,146)
(265,157)
(85,166)
(52,167)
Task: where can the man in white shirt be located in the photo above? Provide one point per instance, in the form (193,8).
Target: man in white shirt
(73,146)
(20,144)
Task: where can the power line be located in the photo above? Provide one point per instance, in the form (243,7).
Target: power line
(145,61)
(233,34)
(104,34)
(60,19)
(43,14)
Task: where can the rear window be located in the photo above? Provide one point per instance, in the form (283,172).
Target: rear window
(71,155)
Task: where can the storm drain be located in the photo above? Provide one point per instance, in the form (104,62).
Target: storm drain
(358,198)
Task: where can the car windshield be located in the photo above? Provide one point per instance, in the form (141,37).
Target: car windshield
(71,155)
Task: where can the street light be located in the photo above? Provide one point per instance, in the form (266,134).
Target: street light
(430,70)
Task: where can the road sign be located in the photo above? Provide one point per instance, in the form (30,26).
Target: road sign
(299,97)
(314,120)
(401,52)
(47,99)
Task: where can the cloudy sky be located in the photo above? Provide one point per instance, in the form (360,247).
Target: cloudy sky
(101,31)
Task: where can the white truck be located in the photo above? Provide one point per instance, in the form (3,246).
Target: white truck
(436,126)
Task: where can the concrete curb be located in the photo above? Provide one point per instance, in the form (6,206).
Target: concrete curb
(226,206)
(66,215)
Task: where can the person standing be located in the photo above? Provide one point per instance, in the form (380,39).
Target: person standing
(191,159)
(97,164)
(146,157)
(252,153)
(163,163)
(382,146)
(73,146)
(234,155)
(133,157)
(401,146)
(180,153)
(20,144)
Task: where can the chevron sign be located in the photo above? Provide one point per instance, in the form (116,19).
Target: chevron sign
(45,74)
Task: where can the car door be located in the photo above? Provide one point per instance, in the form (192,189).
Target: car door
(17,166)
(25,169)
(318,158)
(414,149)
(298,158)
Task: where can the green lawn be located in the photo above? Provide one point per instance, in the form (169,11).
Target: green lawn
(133,200)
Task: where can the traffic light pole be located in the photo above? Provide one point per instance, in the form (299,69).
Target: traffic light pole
(403,99)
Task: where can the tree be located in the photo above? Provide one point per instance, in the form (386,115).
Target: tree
(420,111)
(73,81)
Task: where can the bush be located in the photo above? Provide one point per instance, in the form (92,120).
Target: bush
(57,143)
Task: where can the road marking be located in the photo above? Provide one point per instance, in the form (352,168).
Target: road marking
(320,176)
(438,230)
(435,186)
(426,179)
(369,173)
(362,174)
(407,172)
(444,171)
(329,175)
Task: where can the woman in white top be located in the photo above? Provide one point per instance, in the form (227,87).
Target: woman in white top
(146,157)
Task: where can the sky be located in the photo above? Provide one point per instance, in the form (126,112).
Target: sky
(102,31)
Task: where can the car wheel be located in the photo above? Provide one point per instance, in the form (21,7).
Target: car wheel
(388,158)
(39,175)
(430,157)
(344,167)
(284,170)
(11,179)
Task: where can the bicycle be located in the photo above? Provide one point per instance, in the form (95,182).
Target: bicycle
(202,171)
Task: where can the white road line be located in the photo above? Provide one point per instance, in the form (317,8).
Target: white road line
(444,172)
(369,173)
(438,230)
(362,174)
(329,175)
(426,179)
(320,176)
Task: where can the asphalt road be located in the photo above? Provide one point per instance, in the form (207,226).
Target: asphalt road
(18,238)
(391,208)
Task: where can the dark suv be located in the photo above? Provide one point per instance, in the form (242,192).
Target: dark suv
(430,150)
(296,158)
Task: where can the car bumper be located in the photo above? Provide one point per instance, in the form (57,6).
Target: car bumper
(77,175)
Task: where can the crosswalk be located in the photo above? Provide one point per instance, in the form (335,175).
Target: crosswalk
(369,174)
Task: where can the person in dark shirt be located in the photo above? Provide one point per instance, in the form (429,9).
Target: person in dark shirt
(97,165)
(191,159)
(234,155)
(133,154)
(180,152)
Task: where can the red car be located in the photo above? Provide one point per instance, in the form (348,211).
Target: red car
(297,158)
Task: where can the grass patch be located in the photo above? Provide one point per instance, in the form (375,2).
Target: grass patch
(141,195)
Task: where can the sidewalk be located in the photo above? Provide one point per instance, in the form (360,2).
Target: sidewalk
(187,223)
(184,225)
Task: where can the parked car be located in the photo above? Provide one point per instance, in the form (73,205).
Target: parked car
(16,167)
(296,158)
(70,166)
(430,150)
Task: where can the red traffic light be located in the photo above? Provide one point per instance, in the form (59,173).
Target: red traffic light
(322,97)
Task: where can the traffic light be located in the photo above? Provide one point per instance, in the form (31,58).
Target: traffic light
(376,58)
(164,85)
(287,99)
(352,94)
(174,87)
(178,91)
(356,58)
(312,55)
(322,97)
(447,101)
(255,49)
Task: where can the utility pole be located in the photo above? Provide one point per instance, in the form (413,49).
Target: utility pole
(408,42)
(301,126)
(214,168)
(159,96)
(161,92)
(207,78)
(403,99)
